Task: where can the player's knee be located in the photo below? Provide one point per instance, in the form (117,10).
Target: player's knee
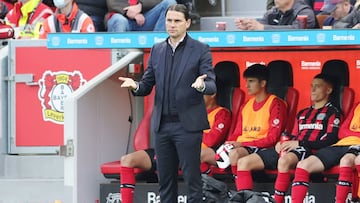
(304,164)
(244,163)
(357,160)
(283,163)
(347,160)
(126,160)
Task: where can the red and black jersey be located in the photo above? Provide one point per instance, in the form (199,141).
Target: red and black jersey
(317,128)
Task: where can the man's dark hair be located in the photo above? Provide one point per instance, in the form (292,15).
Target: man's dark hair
(257,71)
(334,96)
(327,78)
(179,8)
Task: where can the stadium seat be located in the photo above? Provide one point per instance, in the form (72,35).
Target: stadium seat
(343,96)
(141,140)
(320,18)
(238,98)
(229,93)
(281,84)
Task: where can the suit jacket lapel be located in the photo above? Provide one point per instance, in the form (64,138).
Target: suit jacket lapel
(162,58)
(184,59)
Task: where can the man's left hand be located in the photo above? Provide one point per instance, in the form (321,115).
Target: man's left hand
(140,19)
(199,83)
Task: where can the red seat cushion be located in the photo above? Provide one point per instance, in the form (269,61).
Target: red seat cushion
(348,97)
(292,100)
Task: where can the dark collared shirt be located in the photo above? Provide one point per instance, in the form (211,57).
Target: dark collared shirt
(172,61)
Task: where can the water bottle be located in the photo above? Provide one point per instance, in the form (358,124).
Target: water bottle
(284,137)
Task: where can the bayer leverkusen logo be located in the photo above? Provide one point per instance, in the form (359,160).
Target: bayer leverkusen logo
(55,87)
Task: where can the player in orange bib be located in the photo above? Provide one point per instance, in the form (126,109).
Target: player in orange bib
(260,122)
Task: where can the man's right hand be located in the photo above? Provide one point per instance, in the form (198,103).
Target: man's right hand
(128,83)
(132,11)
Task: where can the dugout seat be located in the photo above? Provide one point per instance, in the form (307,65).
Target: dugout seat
(281,84)
(343,96)
(141,140)
(228,79)
(229,94)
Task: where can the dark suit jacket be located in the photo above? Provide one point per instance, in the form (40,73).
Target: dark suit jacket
(190,105)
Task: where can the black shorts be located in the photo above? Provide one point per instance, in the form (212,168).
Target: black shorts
(151,154)
(269,156)
(301,152)
(354,149)
(251,150)
(330,156)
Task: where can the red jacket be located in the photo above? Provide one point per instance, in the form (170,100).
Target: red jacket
(78,21)
(28,16)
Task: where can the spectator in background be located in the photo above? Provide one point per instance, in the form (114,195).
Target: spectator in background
(337,10)
(130,15)
(27,17)
(282,16)
(350,21)
(67,18)
(96,9)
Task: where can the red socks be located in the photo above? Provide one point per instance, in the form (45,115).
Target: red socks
(300,185)
(343,185)
(234,170)
(282,184)
(205,169)
(244,180)
(127,184)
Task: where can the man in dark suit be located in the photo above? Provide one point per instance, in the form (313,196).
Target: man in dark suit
(181,68)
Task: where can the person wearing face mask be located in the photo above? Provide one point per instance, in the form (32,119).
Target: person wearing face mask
(67,18)
(27,17)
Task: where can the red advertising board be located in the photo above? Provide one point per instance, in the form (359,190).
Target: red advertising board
(56,74)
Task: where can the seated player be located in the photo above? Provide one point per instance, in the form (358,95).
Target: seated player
(260,122)
(330,156)
(317,127)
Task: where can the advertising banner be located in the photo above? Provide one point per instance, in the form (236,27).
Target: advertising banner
(39,104)
(148,192)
